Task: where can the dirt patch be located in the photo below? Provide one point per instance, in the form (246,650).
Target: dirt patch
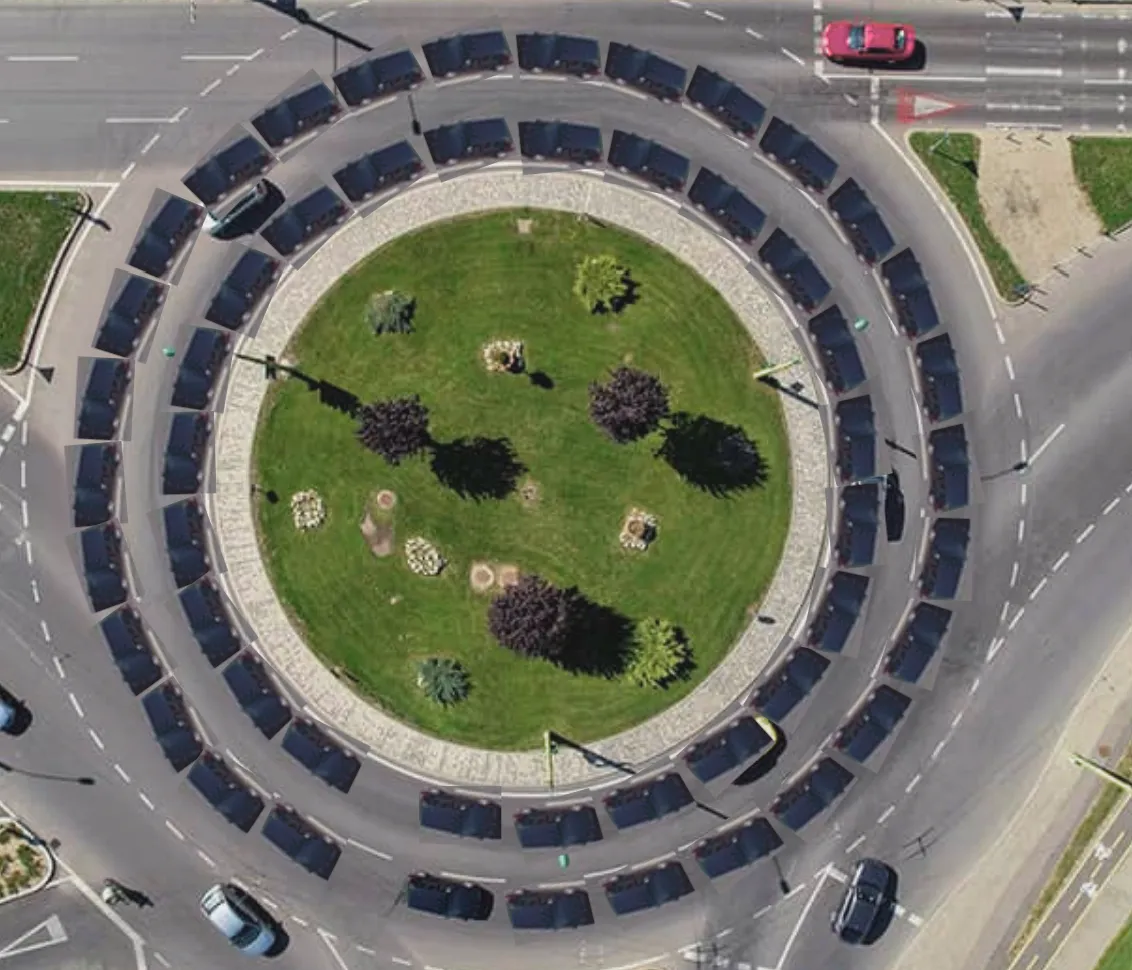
(1031,198)
(530,492)
(507,575)
(524,226)
(482,577)
(378,536)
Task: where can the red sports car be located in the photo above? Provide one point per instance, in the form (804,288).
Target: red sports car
(844,40)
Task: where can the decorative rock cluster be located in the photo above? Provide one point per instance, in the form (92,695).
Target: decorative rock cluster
(423,557)
(638,530)
(504,356)
(308,509)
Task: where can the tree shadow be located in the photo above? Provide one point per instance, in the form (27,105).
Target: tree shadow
(478,468)
(337,398)
(712,456)
(599,641)
(619,303)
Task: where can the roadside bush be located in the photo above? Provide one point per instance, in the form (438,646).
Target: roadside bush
(391,312)
(657,654)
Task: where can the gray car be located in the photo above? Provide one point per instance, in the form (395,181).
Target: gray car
(867,896)
(238,918)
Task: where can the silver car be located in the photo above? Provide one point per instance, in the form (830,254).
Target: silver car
(239,919)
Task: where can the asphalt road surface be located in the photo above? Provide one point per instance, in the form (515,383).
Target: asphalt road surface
(131,97)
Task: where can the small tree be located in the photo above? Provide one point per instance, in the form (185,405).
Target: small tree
(600,282)
(395,429)
(391,312)
(535,618)
(631,405)
(444,680)
(657,654)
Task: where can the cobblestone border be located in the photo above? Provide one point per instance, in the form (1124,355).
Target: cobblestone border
(432,201)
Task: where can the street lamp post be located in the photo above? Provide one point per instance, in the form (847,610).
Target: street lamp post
(776,368)
(416,125)
(1107,774)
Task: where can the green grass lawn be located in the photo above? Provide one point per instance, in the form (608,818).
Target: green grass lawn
(1103,167)
(31,232)
(474,280)
(955,164)
(1118,956)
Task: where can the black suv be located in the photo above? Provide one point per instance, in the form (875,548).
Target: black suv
(866,897)
(200,368)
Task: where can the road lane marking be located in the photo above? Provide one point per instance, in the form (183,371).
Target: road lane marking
(46,632)
(1086,533)
(1045,444)
(609,872)
(207,861)
(1017,618)
(1061,561)
(681,3)
(59,668)
(147,147)
(42,58)
(222,57)
(121,773)
(1009,363)
(96,739)
(752,33)
(1014,575)
(886,815)
(1052,933)
(75,704)
(854,845)
(713,15)
(794,57)
(459,875)
(176,831)
(1021,530)
(372,851)
(208,89)
(911,786)
(1111,505)
(1036,592)
(146,800)
(1017,403)
(998,70)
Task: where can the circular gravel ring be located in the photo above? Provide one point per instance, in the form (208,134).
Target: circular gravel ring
(431,201)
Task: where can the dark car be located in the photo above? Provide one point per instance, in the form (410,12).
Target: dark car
(862,222)
(812,794)
(802,280)
(184,541)
(467,53)
(860,522)
(96,476)
(383,169)
(727,205)
(798,154)
(580,144)
(728,102)
(547,909)
(950,468)
(866,897)
(647,888)
(301,842)
(856,438)
(543,828)
(649,160)
(208,619)
(164,238)
(243,288)
(868,727)
(311,108)
(648,800)
(100,410)
(559,54)
(132,649)
(736,848)
(939,374)
(183,470)
(790,683)
(918,643)
(645,70)
(104,566)
(308,744)
(473,817)
(248,212)
(835,618)
(310,217)
(449,898)
(132,311)
(909,288)
(225,791)
(378,77)
(173,726)
(200,368)
(730,747)
(946,557)
(228,170)
(257,696)
(838,350)
(486,138)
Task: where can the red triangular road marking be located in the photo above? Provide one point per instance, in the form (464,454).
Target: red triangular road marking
(917,105)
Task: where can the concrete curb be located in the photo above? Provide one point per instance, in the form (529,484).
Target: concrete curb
(49,288)
(433,201)
(34,841)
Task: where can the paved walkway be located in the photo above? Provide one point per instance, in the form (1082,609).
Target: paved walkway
(430,201)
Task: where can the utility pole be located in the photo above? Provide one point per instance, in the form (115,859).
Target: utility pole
(1107,774)
(550,746)
(776,368)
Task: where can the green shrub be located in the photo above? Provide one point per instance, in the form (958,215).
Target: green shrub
(391,312)
(601,283)
(657,654)
(443,680)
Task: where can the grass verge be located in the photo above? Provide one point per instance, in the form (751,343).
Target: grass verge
(1099,813)
(1118,956)
(475,280)
(31,232)
(1103,167)
(955,165)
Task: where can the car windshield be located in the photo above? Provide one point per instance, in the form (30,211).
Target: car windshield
(857,37)
(900,38)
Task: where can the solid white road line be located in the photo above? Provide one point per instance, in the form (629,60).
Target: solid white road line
(995,70)
(42,58)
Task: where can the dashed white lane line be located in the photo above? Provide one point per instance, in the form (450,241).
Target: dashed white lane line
(713,15)
(1018,405)
(206,860)
(232,70)
(23,473)
(160,959)
(372,851)
(998,332)
(328,939)
(209,88)
(1021,530)
(326,16)
(35,590)
(1009,366)
(42,58)
(24,511)
(357,3)
(402,961)
(127,171)
(24,434)
(148,146)
(146,800)
(938,749)
(176,831)
(1005,610)
(27,551)
(357,946)
(121,773)
(59,668)
(6,434)
(681,3)
(752,33)
(463,878)
(886,814)
(289,34)
(1014,575)
(975,685)
(854,845)
(299,920)
(1036,592)
(1025,489)
(1086,533)
(96,739)
(1061,561)
(1111,505)
(75,704)
(957,720)
(45,631)
(1017,618)
(911,786)
(794,57)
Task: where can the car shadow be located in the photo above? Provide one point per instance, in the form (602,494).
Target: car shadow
(255,218)
(763,766)
(282,941)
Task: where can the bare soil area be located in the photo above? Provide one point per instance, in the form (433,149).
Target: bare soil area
(1031,198)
